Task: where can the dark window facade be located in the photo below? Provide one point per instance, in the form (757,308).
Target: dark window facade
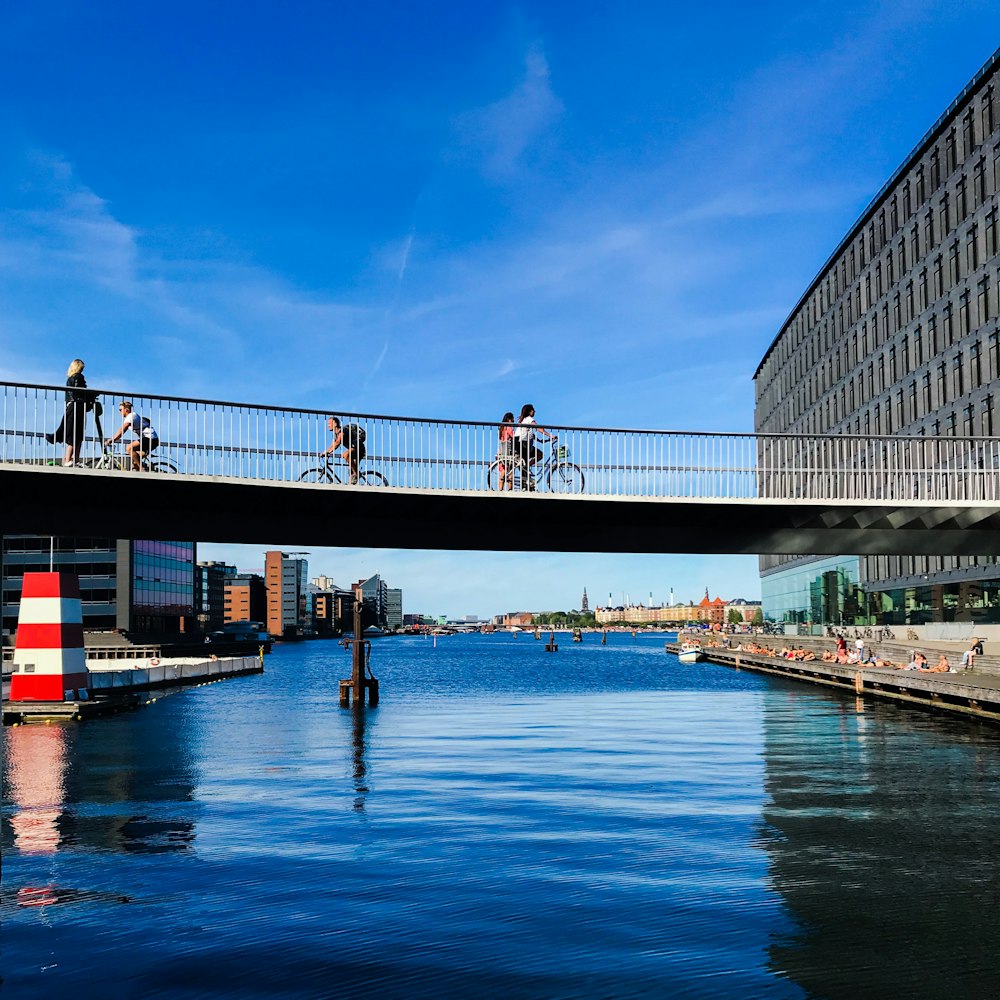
(905,315)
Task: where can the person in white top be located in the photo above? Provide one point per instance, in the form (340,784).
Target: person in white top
(146,438)
(524,436)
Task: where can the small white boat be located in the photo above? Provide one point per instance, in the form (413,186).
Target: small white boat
(690,652)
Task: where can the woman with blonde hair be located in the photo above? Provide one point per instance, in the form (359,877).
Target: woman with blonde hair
(71,428)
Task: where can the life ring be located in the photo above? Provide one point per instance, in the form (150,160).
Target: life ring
(154,662)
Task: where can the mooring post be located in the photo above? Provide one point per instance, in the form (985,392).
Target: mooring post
(358,683)
(358,658)
(550,646)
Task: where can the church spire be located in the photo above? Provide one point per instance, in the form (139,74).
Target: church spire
(584,604)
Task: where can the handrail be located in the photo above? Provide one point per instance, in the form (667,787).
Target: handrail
(283,444)
(547,424)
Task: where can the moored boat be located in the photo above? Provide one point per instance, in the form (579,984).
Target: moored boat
(690,652)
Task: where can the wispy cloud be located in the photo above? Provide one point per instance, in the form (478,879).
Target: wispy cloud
(502,132)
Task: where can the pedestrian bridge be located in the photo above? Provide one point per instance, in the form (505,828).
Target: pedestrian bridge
(240,472)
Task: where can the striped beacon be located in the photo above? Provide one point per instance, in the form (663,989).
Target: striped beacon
(49,659)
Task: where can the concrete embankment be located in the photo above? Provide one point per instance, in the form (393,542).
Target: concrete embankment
(969,693)
(114,686)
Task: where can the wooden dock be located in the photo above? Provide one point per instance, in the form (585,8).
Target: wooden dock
(967,692)
(114,687)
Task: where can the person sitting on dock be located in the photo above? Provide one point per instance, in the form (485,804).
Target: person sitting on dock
(919,662)
(941,667)
(969,656)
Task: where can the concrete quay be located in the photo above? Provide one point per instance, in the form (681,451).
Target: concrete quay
(969,693)
(114,687)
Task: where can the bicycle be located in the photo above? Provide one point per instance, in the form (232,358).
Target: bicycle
(327,473)
(561,475)
(119,461)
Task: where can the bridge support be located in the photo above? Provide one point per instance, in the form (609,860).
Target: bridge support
(360,680)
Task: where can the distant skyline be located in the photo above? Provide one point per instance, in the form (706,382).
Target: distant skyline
(490,583)
(446,210)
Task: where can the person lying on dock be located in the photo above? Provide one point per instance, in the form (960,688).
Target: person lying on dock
(941,667)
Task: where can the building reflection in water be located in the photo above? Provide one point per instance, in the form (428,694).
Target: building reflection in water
(36,779)
(880,836)
(123,784)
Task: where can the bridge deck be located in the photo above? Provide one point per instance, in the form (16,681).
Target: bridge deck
(49,500)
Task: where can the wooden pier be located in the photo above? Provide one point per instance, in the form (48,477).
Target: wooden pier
(966,692)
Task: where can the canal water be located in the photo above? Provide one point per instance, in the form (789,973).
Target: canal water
(598,822)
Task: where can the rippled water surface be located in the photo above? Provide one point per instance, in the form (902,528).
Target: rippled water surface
(600,822)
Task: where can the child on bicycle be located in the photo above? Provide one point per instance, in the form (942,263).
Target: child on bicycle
(146,438)
(505,452)
(352,439)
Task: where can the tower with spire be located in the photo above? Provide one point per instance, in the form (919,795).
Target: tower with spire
(584,604)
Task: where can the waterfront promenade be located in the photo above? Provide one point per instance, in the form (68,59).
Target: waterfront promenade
(971,693)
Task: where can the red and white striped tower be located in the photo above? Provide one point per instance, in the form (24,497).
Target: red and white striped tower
(49,660)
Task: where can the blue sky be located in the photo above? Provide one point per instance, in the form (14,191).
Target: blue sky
(444,209)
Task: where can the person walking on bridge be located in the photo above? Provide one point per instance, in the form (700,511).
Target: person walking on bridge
(71,428)
(146,439)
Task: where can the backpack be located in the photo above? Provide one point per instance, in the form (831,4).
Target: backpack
(353,435)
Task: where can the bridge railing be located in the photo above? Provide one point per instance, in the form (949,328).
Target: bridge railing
(281,444)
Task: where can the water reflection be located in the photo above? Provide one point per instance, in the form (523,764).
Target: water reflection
(36,773)
(114,785)
(359,747)
(880,835)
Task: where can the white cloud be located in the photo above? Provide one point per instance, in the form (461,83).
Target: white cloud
(503,132)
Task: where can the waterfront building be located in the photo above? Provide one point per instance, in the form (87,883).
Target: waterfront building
(394,607)
(143,588)
(285,577)
(898,334)
(373,593)
(210,580)
(245,598)
(520,619)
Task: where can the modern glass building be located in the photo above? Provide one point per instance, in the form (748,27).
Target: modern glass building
(899,334)
(140,587)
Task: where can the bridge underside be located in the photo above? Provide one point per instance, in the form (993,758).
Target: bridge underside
(121,505)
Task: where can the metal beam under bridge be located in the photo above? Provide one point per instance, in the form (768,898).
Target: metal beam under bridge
(48,500)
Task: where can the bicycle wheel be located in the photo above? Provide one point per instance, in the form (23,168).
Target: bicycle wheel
(318,475)
(373,478)
(163,465)
(565,477)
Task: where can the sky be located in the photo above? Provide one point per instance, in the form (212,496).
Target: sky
(444,209)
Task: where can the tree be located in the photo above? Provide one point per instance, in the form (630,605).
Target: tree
(733,617)
(758,617)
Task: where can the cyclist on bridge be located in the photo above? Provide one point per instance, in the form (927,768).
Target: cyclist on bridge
(524,436)
(146,438)
(352,439)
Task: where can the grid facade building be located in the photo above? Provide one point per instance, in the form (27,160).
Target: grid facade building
(899,335)
(144,588)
